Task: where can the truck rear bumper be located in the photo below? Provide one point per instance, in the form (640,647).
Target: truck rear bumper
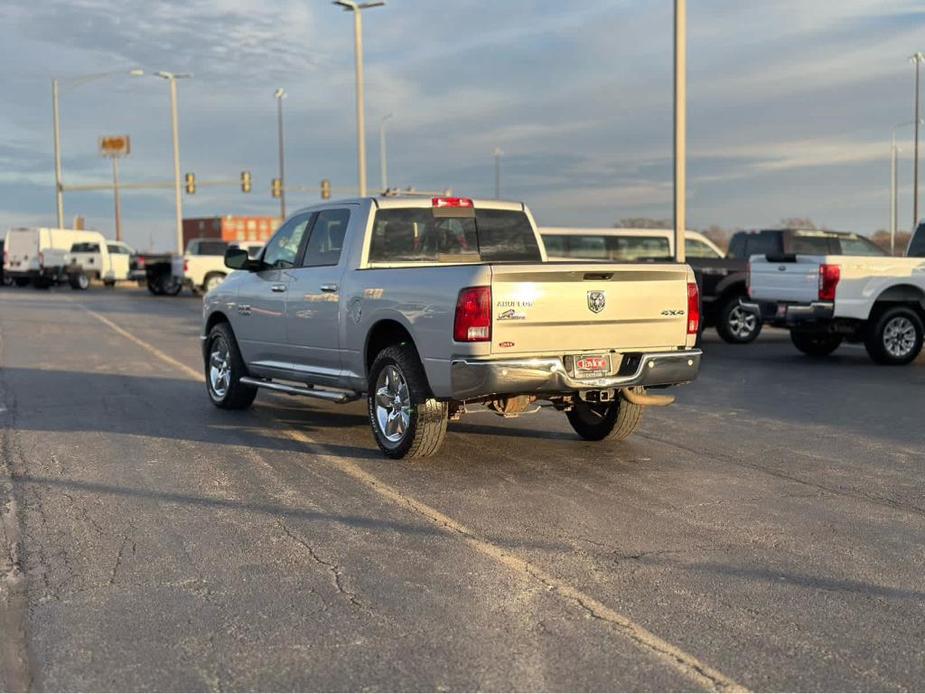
(476,378)
(786,315)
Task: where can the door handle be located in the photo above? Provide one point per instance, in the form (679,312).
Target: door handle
(329,288)
(278,288)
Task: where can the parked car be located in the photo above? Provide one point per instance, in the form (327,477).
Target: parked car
(916,247)
(5,279)
(825,296)
(202,267)
(42,256)
(426,307)
(108,261)
(721,279)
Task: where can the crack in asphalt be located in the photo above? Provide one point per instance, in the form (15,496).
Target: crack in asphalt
(335,569)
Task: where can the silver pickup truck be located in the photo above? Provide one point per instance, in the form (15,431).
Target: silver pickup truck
(427,307)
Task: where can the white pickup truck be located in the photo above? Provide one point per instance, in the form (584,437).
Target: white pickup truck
(428,307)
(828,298)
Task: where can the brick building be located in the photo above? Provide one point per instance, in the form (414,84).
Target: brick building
(230,228)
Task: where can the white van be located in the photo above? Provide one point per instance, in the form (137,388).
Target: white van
(44,256)
(622,245)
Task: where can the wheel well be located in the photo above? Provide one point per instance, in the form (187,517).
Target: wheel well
(733,289)
(214,273)
(900,294)
(381,335)
(215,319)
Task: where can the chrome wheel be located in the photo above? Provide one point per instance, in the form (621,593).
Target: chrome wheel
(219,368)
(83,281)
(899,337)
(393,404)
(742,323)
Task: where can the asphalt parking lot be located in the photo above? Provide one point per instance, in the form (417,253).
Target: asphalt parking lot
(766,532)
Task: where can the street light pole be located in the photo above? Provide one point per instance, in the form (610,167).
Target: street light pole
(357,8)
(918,59)
(894,198)
(175,127)
(383,163)
(115,191)
(56,118)
(497,154)
(56,125)
(680,128)
(280,94)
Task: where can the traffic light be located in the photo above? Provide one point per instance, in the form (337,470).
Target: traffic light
(245,181)
(190,183)
(325,189)
(277,188)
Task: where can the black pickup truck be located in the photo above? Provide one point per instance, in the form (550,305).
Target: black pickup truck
(723,281)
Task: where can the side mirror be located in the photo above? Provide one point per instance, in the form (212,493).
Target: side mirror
(237,259)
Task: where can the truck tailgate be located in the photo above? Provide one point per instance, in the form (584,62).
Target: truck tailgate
(789,280)
(588,307)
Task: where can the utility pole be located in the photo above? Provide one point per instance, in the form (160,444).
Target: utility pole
(115,191)
(680,128)
(497,154)
(894,198)
(383,161)
(280,94)
(357,8)
(918,59)
(56,126)
(175,128)
(56,118)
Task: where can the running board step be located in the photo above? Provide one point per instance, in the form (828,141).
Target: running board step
(330,395)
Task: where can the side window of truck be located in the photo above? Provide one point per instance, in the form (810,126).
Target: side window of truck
(327,238)
(698,249)
(283,249)
(85,248)
(917,244)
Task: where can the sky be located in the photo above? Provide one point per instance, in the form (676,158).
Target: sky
(791,104)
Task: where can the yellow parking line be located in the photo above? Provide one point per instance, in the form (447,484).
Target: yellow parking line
(686,664)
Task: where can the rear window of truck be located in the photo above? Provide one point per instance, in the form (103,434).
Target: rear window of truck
(408,235)
(626,249)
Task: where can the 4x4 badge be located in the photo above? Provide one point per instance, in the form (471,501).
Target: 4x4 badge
(596,301)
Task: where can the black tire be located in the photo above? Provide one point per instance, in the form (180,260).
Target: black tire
(21,281)
(209,279)
(170,285)
(224,368)
(8,281)
(737,325)
(79,281)
(894,337)
(154,286)
(109,283)
(815,344)
(613,421)
(420,419)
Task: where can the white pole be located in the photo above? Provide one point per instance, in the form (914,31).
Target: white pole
(56,119)
(497,154)
(361,118)
(383,160)
(680,127)
(115,192)
(893,196)
(176,162)
(919,58)
(282,167)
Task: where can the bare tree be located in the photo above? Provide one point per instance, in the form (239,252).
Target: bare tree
(718,235)
(798,223)
(644,223)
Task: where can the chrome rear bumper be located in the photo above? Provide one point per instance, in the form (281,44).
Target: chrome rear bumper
(475,378)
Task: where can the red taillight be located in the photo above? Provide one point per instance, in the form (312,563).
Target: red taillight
(185,266)
(828,280)
(693,308)
(473,315)
(451,202)
(41,259)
